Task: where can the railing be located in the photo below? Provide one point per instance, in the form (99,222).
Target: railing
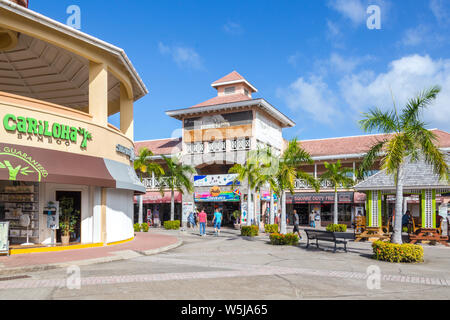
(240,144)
(302,184)
(154,183)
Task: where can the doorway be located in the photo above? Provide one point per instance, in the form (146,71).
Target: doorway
(74,198)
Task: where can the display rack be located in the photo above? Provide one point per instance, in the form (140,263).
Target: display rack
(18,200)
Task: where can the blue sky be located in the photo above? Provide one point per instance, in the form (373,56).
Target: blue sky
(316,61)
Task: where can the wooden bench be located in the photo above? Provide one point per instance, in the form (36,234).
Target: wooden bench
(324,236)
(371,234)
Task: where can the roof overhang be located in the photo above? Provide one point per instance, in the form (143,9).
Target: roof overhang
(33,17)
(261,103)
(220,84)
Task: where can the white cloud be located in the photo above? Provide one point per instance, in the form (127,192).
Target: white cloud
(185,57)
(293,59)
(350,9)
(440,11)
(313,97)
(415,36)
(405,77)
(233,28)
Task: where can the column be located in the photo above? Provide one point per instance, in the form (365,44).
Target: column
(373,202)
(126,114)
(428,204)
(103,216)
(98,93)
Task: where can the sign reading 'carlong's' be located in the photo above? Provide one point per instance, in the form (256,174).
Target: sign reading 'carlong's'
(27,125)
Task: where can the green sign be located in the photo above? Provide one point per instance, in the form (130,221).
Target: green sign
(42,129)
(19,163)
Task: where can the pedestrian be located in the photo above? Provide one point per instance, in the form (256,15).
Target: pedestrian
(217,221)
(312,221)
(202,221)
(191,220)
(297,224)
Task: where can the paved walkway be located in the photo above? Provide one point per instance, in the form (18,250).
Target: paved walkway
(143,242)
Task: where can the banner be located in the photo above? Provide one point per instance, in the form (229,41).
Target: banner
(4,232)
(221,197)
(215,180)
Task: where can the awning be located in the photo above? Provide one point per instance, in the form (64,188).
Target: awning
(23,163)
(155,197)
(125,176)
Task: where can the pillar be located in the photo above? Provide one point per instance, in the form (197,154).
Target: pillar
(98,92)
(373,207)
(126,114)
(103,216)
(428,204)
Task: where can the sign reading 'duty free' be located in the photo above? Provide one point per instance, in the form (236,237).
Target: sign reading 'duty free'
(40,129)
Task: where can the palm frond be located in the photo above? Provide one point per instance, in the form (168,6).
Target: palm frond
(377,120)
(411,112)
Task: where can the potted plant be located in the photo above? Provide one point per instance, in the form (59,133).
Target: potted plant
(67,219)
(237,219)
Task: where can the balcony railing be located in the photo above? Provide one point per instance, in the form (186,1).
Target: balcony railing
(154,183)
(302,184)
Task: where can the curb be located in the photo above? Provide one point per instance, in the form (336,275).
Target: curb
(119,256)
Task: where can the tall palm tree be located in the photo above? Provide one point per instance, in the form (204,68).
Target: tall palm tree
(409,140)
(249,172)
(177,177)
(337,176)
(288,171)
(144,166)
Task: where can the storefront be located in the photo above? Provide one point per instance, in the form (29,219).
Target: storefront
(323,204)
(156,207)
(59,156)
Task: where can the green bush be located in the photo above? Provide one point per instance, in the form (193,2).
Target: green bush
(172,225)
(405,229)
(271,228)
(289,239)
(137,227)
(337,227)
(249,231)
(144,227)
(392,252)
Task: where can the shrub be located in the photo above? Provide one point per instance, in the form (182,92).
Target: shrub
(271,228)
(393,252)
(289,239)
(337,227)
(172,225)
(144,227)
(137,227)
(405,229)
(249,231)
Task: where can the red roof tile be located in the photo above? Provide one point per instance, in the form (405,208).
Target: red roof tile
(357,144)
(223,99)
(233,76)
(161,146)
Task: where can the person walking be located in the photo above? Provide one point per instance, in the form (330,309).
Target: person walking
(217,221)
(297,224)
(202,220)
(191,220)
(312,221)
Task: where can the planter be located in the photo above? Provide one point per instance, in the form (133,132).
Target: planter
(237,226)
(65,240)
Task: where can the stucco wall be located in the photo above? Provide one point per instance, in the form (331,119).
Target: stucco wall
(119,215)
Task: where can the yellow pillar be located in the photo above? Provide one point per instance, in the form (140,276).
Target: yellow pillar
(126,114)
(98,92)
(103,216)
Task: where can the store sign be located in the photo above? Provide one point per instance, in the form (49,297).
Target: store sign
(129,152)
(215,180)
(319,198)
(231,196)
(38,129)
(20,164)
(4,242)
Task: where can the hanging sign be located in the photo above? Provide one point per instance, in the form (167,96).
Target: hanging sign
(4,241)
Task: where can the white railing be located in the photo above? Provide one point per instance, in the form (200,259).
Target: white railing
(302,184)
(240,144)
(154,183)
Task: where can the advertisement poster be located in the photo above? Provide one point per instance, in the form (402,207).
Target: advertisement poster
(52,213)
(215,180)
(188,207)
(4,226)
(220,197)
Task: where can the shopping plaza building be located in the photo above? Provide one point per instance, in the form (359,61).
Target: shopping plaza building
(58,86)
(218,133)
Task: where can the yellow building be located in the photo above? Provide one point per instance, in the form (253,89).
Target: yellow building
(58,86)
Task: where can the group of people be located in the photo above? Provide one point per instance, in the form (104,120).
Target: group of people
(201,218)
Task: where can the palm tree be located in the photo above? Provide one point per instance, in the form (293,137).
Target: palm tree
(409,140)
(177,177)
(249,172)
(288,171)
(337,176)
(144,166)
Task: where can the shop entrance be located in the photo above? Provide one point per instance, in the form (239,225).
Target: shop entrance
(227,209)
(303,213)
(73,199)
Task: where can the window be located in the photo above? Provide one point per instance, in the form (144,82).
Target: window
(229,90)
(246,92)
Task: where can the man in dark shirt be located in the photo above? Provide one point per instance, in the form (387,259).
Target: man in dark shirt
(297,224)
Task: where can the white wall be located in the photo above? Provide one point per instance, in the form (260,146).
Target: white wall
(267,131)
(119,215)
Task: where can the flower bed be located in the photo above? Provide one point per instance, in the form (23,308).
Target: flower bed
(337,227)
(172,225)
(289,239)
(271,228)
(393,252)
(143,227)
(249,231)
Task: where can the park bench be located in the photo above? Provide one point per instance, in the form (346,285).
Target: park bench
(324,236)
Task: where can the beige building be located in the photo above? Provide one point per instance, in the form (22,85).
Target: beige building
(58,86)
